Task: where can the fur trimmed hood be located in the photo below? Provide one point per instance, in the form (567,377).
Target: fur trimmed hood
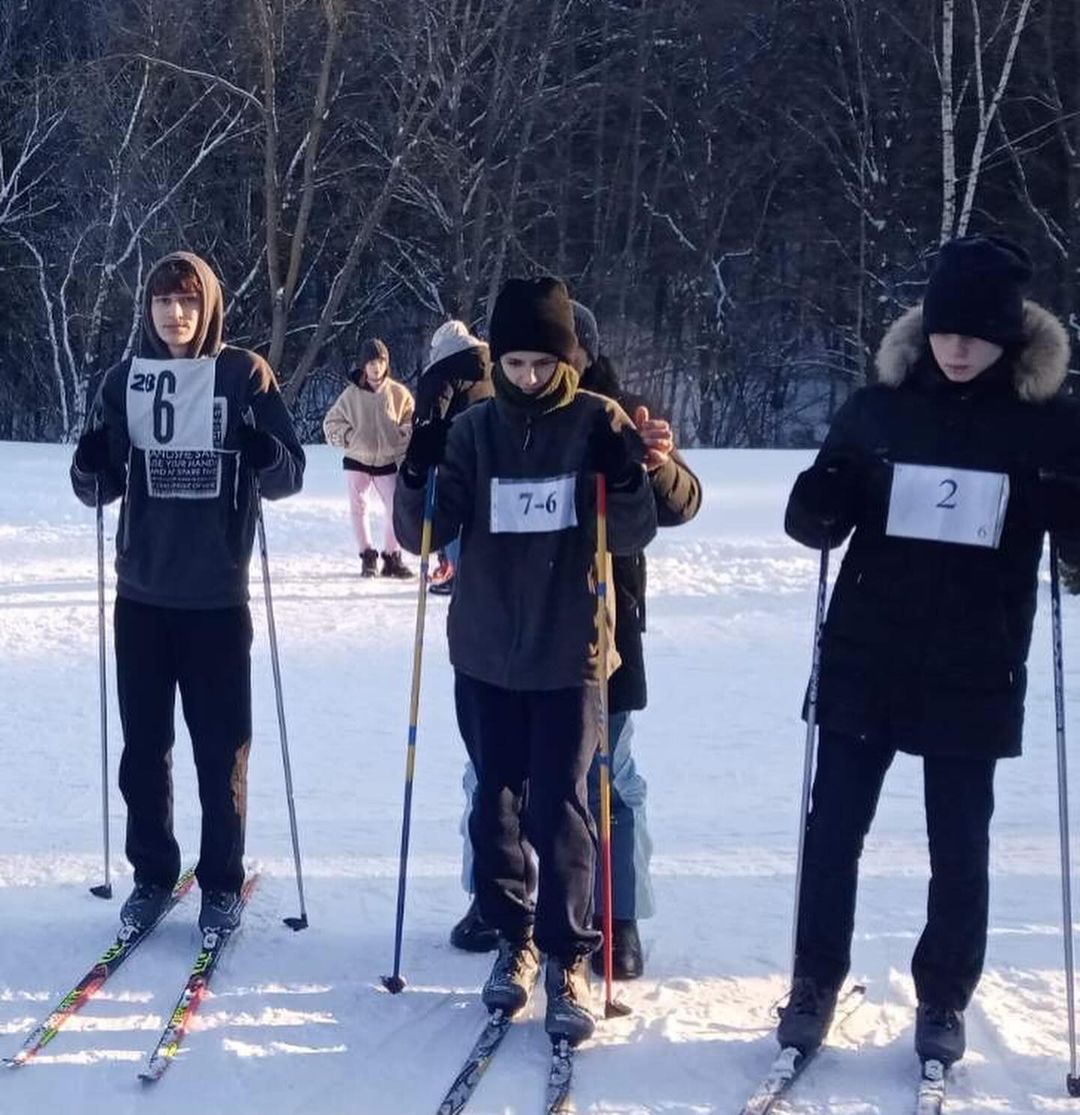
(1041,365)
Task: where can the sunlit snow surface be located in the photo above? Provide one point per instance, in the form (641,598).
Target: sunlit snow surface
(299,1023)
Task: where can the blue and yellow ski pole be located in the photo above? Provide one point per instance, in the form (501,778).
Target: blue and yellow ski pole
(612,1008)
(395,983)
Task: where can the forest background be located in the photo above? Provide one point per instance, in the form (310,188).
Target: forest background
(745,191)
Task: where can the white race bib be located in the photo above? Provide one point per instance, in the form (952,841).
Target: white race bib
(948,505)
(174,418)
(170,403)
(532,506)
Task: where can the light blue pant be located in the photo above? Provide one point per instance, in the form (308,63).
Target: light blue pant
(631,845)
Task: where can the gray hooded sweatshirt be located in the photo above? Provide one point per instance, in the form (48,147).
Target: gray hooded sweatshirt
(187,519)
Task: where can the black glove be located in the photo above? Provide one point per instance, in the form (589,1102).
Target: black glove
(617,454)
(258,449)
(427,447)
(829,487)
(92,452)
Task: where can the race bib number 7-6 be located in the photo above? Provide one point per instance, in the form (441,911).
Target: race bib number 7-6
(532,506)
(957,505)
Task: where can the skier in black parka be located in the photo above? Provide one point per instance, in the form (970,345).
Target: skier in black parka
(927,634)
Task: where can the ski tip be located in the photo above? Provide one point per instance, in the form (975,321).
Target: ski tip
(296,924)
(1072,1085)
(393,984)
(613,1008)
(102,890)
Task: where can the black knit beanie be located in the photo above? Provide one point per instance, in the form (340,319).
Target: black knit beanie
(533,315)
(976,289)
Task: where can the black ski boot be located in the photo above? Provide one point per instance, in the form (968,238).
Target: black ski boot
(472,933)
(145,905)
(567,985)
(627,961)
(370,560)
(512,976)
(939,1034)
(806,1019)
(221,910)
(393,566)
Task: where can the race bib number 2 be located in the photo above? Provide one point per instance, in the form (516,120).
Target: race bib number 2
(956,505)
(532,506)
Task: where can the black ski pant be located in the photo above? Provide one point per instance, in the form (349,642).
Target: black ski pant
(206,654)
(959,801)
(532,751)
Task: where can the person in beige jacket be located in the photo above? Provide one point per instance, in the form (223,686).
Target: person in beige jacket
(372,420)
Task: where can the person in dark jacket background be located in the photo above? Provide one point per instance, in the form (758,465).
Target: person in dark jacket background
(677,492)
(516,478)
(948,472)
(457,374)
(181,432)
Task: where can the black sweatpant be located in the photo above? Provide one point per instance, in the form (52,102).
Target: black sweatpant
(532,751)
(206,653)
(959,801)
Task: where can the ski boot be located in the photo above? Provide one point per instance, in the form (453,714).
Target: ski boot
(627,961)
(221,910)
(806,1018)
(370,563)
(567,985)
(512,976)
(939,1034)
(144,905)
(472,933)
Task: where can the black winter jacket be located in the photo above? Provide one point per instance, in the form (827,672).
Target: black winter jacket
(677,492)
(925,643)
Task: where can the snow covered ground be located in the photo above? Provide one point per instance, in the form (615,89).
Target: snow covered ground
(299,1023)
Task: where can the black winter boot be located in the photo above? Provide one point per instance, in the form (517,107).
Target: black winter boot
(939,1034)
(370,559)
(512,976)
(472,933)
(567,985)
(627,961)
(393,566)
(806,1019)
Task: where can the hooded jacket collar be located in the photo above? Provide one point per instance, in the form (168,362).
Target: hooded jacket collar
(1038,368)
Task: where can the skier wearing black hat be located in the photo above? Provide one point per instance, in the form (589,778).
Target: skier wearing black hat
(946,473)
(516,478)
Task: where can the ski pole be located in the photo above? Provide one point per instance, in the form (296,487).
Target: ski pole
(301,922)
(612,1008)
(808,760)
(1072,1081)
(395,983)
(102,890)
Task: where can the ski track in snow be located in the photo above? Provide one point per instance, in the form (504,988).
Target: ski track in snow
(299,1023)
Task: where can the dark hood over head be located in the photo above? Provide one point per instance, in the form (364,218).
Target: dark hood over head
(208,340)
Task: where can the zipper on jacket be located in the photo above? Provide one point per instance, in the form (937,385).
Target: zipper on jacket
(528,433)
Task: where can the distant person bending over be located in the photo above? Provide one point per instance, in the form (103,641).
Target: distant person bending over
(458,374)
(188,433)
(371,420)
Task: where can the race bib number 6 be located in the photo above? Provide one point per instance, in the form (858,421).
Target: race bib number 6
(956,505)
(532,506)
(170,403)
